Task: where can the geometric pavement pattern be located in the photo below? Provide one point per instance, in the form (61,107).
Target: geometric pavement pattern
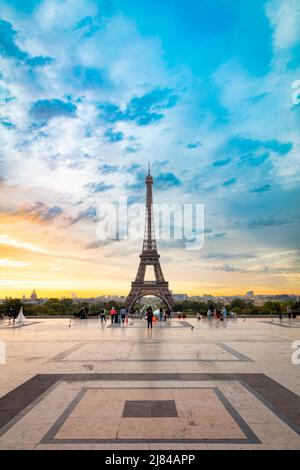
(161,399)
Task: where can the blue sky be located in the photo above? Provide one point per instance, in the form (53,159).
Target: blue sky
(92,90)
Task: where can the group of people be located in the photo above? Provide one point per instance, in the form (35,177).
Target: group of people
(216,314)
(122,315)
(164,315)
(115,316)
(15,314)
(12,314)
(83,313)
(290,313)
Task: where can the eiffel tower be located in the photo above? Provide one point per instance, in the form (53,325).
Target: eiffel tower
(149,257)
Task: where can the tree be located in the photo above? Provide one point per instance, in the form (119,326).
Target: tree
(112,303)
(238,303)
(237,310)
(15,304)
(272,307)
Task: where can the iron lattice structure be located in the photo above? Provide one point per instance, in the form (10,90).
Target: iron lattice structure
(149,257)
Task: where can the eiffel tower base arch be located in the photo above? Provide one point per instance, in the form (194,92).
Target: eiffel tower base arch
(139,290)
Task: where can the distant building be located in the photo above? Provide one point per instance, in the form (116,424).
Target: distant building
(250,293)
(33,296)
(208,297)
(180,297)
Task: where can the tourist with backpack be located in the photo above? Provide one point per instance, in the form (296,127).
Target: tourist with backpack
(149,315)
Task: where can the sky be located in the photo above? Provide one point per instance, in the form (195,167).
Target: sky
(91,90)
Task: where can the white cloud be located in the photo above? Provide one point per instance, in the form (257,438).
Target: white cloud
(12,263)
(63,14)
(285,18)
(5,240)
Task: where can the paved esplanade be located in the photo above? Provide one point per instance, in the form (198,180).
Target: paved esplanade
(220,385)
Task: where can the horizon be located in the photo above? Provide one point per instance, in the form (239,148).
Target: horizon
(95,295)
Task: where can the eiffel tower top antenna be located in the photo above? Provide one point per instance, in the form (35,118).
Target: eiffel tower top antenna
(148,168)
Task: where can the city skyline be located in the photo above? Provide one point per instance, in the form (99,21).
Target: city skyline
(92,90)
(250,296)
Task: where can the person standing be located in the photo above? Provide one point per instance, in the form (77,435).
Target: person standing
(123,314)
(102,315)
(278,311)
(149,314)
(86,312)
(113,314)
(224,313)
(168,314)
(11,314)
(82,313)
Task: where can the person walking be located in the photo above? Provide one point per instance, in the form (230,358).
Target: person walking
(168,314)
(149,314)
(113,314)
(123,314)
(209,313)
(289,312)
